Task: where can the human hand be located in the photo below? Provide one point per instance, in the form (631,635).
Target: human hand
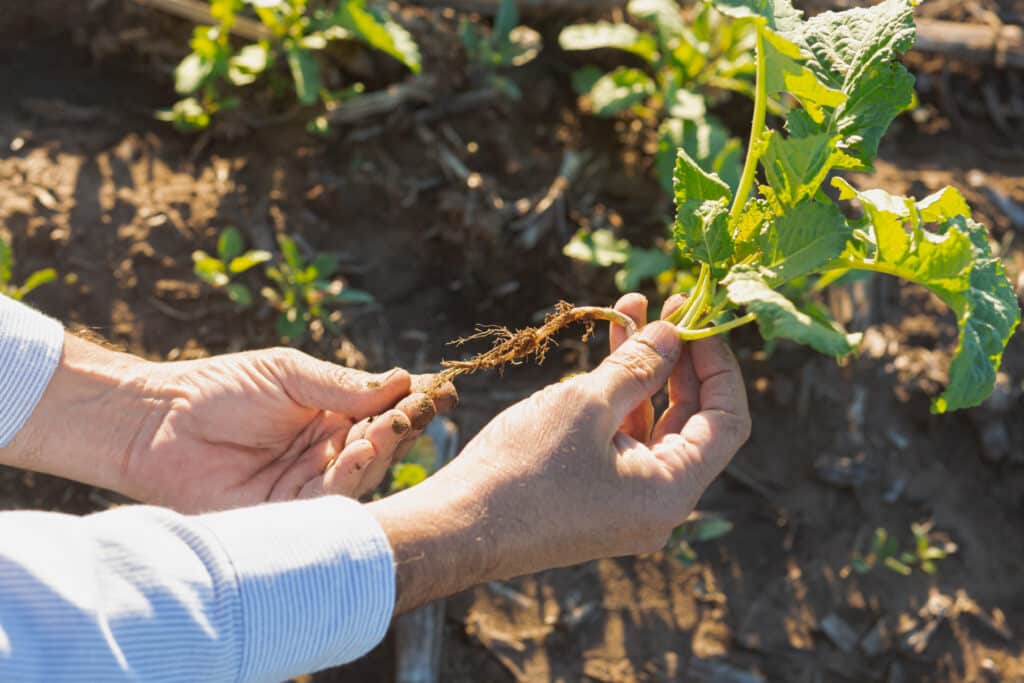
(222,432)
(270,425)
(579,470)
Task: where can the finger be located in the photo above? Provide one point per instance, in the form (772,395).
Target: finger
(636,370)
(711,437)
(345,475)
(671,305)
(309,466)
(635,306)
(386,433)
(444,395)
(683,387)
(326,386)
(419,409)
(638,423)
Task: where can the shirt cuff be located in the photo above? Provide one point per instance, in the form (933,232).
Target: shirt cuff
(313,595)
(30,348)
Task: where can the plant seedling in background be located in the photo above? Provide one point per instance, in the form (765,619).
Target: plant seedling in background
(212,75)
(885,551)
(231,260)
(305,292)
(700,527)
(507,45)
(33,281)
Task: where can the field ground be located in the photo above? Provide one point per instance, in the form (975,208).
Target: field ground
(91,184)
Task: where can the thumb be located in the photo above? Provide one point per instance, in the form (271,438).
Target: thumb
(637,369)
(325,386)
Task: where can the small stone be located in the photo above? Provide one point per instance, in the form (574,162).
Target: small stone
(995,441)
(839,632)
(878,640)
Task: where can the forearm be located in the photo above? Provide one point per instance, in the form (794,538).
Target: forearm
(142,593)
(440,541)
(95,403)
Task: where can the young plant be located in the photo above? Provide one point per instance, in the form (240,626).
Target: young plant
(700,527)
(690,63)
(212,75)
(506,45)
(885,551)
(305,293)
(231,260)
(7,286)
(751,242)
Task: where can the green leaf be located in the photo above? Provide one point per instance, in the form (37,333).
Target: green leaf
(665,14)
(353,296)
(897,566)
(693,183)
(6,260)
(35,280)
(785,72)
(190,74)
(703,527)
(955,263)
(290,251)
(778,317)
(640,265)
(239,294)
(854,52)
(706,141)
(776,14)
(230,244)
(605,34)
(796,166)
(209,269)
(619,90)
(249,259)
(291,326)
(248,64)
(804,239)
(379,31)
(306,74)
(702,232)
(504,22)
(599,247)
(325,264)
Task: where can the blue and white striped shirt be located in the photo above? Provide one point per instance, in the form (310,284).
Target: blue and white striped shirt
(143,593)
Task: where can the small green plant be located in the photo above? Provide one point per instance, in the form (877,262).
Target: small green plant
(691,63)
(33,281)
(700,527)
(885,551)
(507,45)
(415,467)
(219,271)
(212,77)
(305,292)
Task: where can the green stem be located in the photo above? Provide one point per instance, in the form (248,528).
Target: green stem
(694,335)
(698,298)
(756,130)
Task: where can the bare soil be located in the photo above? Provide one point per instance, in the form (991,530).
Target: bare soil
(92,185)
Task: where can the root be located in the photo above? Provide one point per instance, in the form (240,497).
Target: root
(512,348)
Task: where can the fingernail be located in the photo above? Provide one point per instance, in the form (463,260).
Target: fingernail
(661,336)
(399,426)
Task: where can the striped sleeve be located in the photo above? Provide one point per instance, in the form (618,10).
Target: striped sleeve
(145,594)
(30,347)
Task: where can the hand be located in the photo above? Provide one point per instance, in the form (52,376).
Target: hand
(222,432)
(554,480)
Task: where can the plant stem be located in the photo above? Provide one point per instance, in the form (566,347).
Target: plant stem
(698,298)
(693,335)
(756,130)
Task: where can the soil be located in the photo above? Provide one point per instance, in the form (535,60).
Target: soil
(92,185)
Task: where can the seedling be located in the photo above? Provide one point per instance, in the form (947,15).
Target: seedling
(507,45)
(750,244)
(690,64)
(415,467)
(304,293)
(212,75)
(231,260)
(700,527)
(885,551)
(33,281)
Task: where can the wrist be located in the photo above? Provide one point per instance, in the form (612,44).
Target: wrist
(440,542)
(91,411)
